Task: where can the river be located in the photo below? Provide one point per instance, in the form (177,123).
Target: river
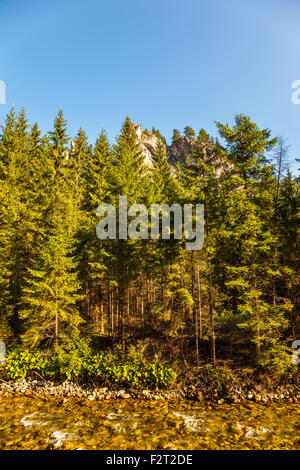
(36,423)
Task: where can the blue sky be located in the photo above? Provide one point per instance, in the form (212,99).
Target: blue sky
(166,63)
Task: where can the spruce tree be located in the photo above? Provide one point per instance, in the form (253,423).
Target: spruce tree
(189,132)
(127,178)
(51,293)
(92,257)
(176,135)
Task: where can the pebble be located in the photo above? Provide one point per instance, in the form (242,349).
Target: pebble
(69,389)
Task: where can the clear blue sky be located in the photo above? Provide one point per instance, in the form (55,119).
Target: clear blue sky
(166,63)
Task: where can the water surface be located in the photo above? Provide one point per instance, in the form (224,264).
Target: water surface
(34,423)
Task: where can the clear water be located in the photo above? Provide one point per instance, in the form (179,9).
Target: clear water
(31,423)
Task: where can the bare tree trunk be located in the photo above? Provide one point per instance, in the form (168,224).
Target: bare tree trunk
(108,308)
(142,311)
(212,335)
(112,322)
(199,305)
(101,319)
(281,154)
(212,323)
(56,320)
(257,343)
(162,292)
(195,312)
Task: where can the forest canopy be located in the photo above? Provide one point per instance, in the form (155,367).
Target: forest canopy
(61,287)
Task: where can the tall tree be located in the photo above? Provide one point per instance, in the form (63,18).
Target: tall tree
(189,132)
(176,136)
(51,293)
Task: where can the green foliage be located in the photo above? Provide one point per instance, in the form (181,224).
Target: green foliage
(109,367)
(131,369)
(221,378)
(59,283)
(20,364)
(176,135)
(189,132)
(277,362)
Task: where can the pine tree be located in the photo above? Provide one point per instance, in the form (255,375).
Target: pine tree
(247,145)
(96,172)
(78,161)
(288,227)
(51,293)
(189,132)
(127,178)
(176,135)
(90,253)
(16,226)
(162,177)
(248,233)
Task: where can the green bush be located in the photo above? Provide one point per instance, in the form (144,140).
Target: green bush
(220,377)
(111,366)
(127,371)
(277,362)
(21,363)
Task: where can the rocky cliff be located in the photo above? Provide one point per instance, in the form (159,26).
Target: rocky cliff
(177,152)
(180,150)
(148,143)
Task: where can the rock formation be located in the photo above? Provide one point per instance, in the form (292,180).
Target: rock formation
(148,143)
(179,151)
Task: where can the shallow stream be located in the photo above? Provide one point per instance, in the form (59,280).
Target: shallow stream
(35,423)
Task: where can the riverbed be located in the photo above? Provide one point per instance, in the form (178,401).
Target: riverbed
(37,423)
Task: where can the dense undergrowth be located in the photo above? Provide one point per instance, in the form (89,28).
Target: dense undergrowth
(105,367)
(114,368)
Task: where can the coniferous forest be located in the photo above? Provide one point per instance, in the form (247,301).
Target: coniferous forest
(73,303)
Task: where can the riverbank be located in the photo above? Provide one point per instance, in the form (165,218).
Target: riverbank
(68,389)
(111,375)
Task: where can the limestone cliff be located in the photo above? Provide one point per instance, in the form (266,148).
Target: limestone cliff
(179,151)
(148,143)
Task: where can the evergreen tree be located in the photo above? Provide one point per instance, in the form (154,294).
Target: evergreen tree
(248,234)
(162,177)
(189,132)
(90,253)
(176,135)
(16,227)
(127,178)
(51,293)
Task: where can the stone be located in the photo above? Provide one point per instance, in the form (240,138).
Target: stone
(123,394)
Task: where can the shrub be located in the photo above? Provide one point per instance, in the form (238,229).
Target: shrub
(111,366)
(221,378)
(20,363)
(277,362)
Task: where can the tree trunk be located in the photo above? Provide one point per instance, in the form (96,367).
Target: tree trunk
(212,326)
(195,312)
(199,305)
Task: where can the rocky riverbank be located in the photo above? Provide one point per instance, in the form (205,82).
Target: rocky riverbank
(68,389)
